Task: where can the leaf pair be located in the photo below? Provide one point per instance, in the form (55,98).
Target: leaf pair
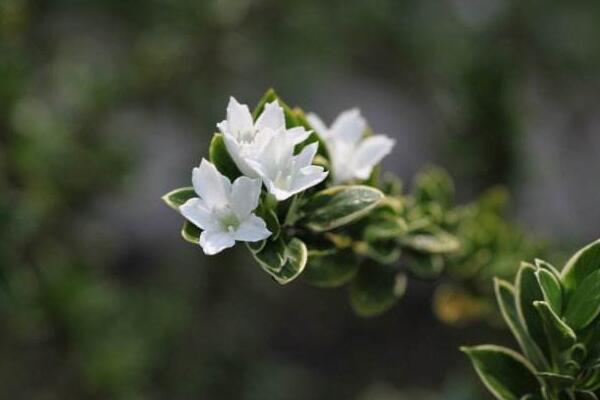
(283,261)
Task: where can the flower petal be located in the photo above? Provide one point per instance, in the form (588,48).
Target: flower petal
(210,185)
(318,125)
(223,127)
(196,211)
(244,196)
(235,151)
(252,229)
(308,177)
(239,118)
(306,156)
(297,134)
(279,193)
(349,126)
(272,117)
(276,156)
(214,242)
(369,153)
(261,140)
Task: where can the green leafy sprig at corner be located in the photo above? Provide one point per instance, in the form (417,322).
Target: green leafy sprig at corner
(554,316)
(309,200)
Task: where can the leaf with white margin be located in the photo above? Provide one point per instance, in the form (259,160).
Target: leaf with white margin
(505,373)
(340,205)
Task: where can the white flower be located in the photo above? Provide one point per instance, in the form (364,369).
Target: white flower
(353,156)
(285,174)
(224,210)
(246,140)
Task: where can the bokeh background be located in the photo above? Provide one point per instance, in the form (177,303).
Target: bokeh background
(105,105)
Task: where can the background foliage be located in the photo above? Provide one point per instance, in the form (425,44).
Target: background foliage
(106,105)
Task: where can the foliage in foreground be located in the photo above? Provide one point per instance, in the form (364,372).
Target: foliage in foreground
(365,233)
(554,316)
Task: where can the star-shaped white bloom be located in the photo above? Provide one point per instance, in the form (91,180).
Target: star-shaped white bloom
(246,140)
(285,174)
(224,210)
(353,155)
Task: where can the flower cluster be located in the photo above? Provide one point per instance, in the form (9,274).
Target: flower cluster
(308,199)
(268,151)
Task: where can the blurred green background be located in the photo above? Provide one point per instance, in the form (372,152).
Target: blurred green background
(105,105)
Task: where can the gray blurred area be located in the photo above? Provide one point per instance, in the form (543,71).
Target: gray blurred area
(106,105)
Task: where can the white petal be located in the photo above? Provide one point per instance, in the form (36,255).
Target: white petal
(213,242)
(244,196)
(306,178)
(196,211)
(210,185)
(234,150)
(277,154)
(252,229)
(297,134)
(342,156)
(223,127)
(349,126)
(309,176)
(306,156)
(342,175)
(261,140)
(258,168)
(239,118)
(272,117)
(280,194)
(369,153)
(317,124)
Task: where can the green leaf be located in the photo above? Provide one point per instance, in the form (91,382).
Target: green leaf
(584,304)
(271,256)
(339,206)
(270,217)
(385,229)
(582,264)
(436,242)
(532,397)
(434,185)
(332,270)
(591,382)
(391,185)
(425,266)
(220,157)
(578,352)
(376,289)
(384,252)
(551,289)
(527,290)
(560,335)
(556,380)
(283,262)
(585,395)
(505,296)
(296,258)
(505,373)
(547,266)
(257,247)
(190,233)
(178,197)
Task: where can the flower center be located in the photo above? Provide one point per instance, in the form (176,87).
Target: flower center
(228,220)
(283,180)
